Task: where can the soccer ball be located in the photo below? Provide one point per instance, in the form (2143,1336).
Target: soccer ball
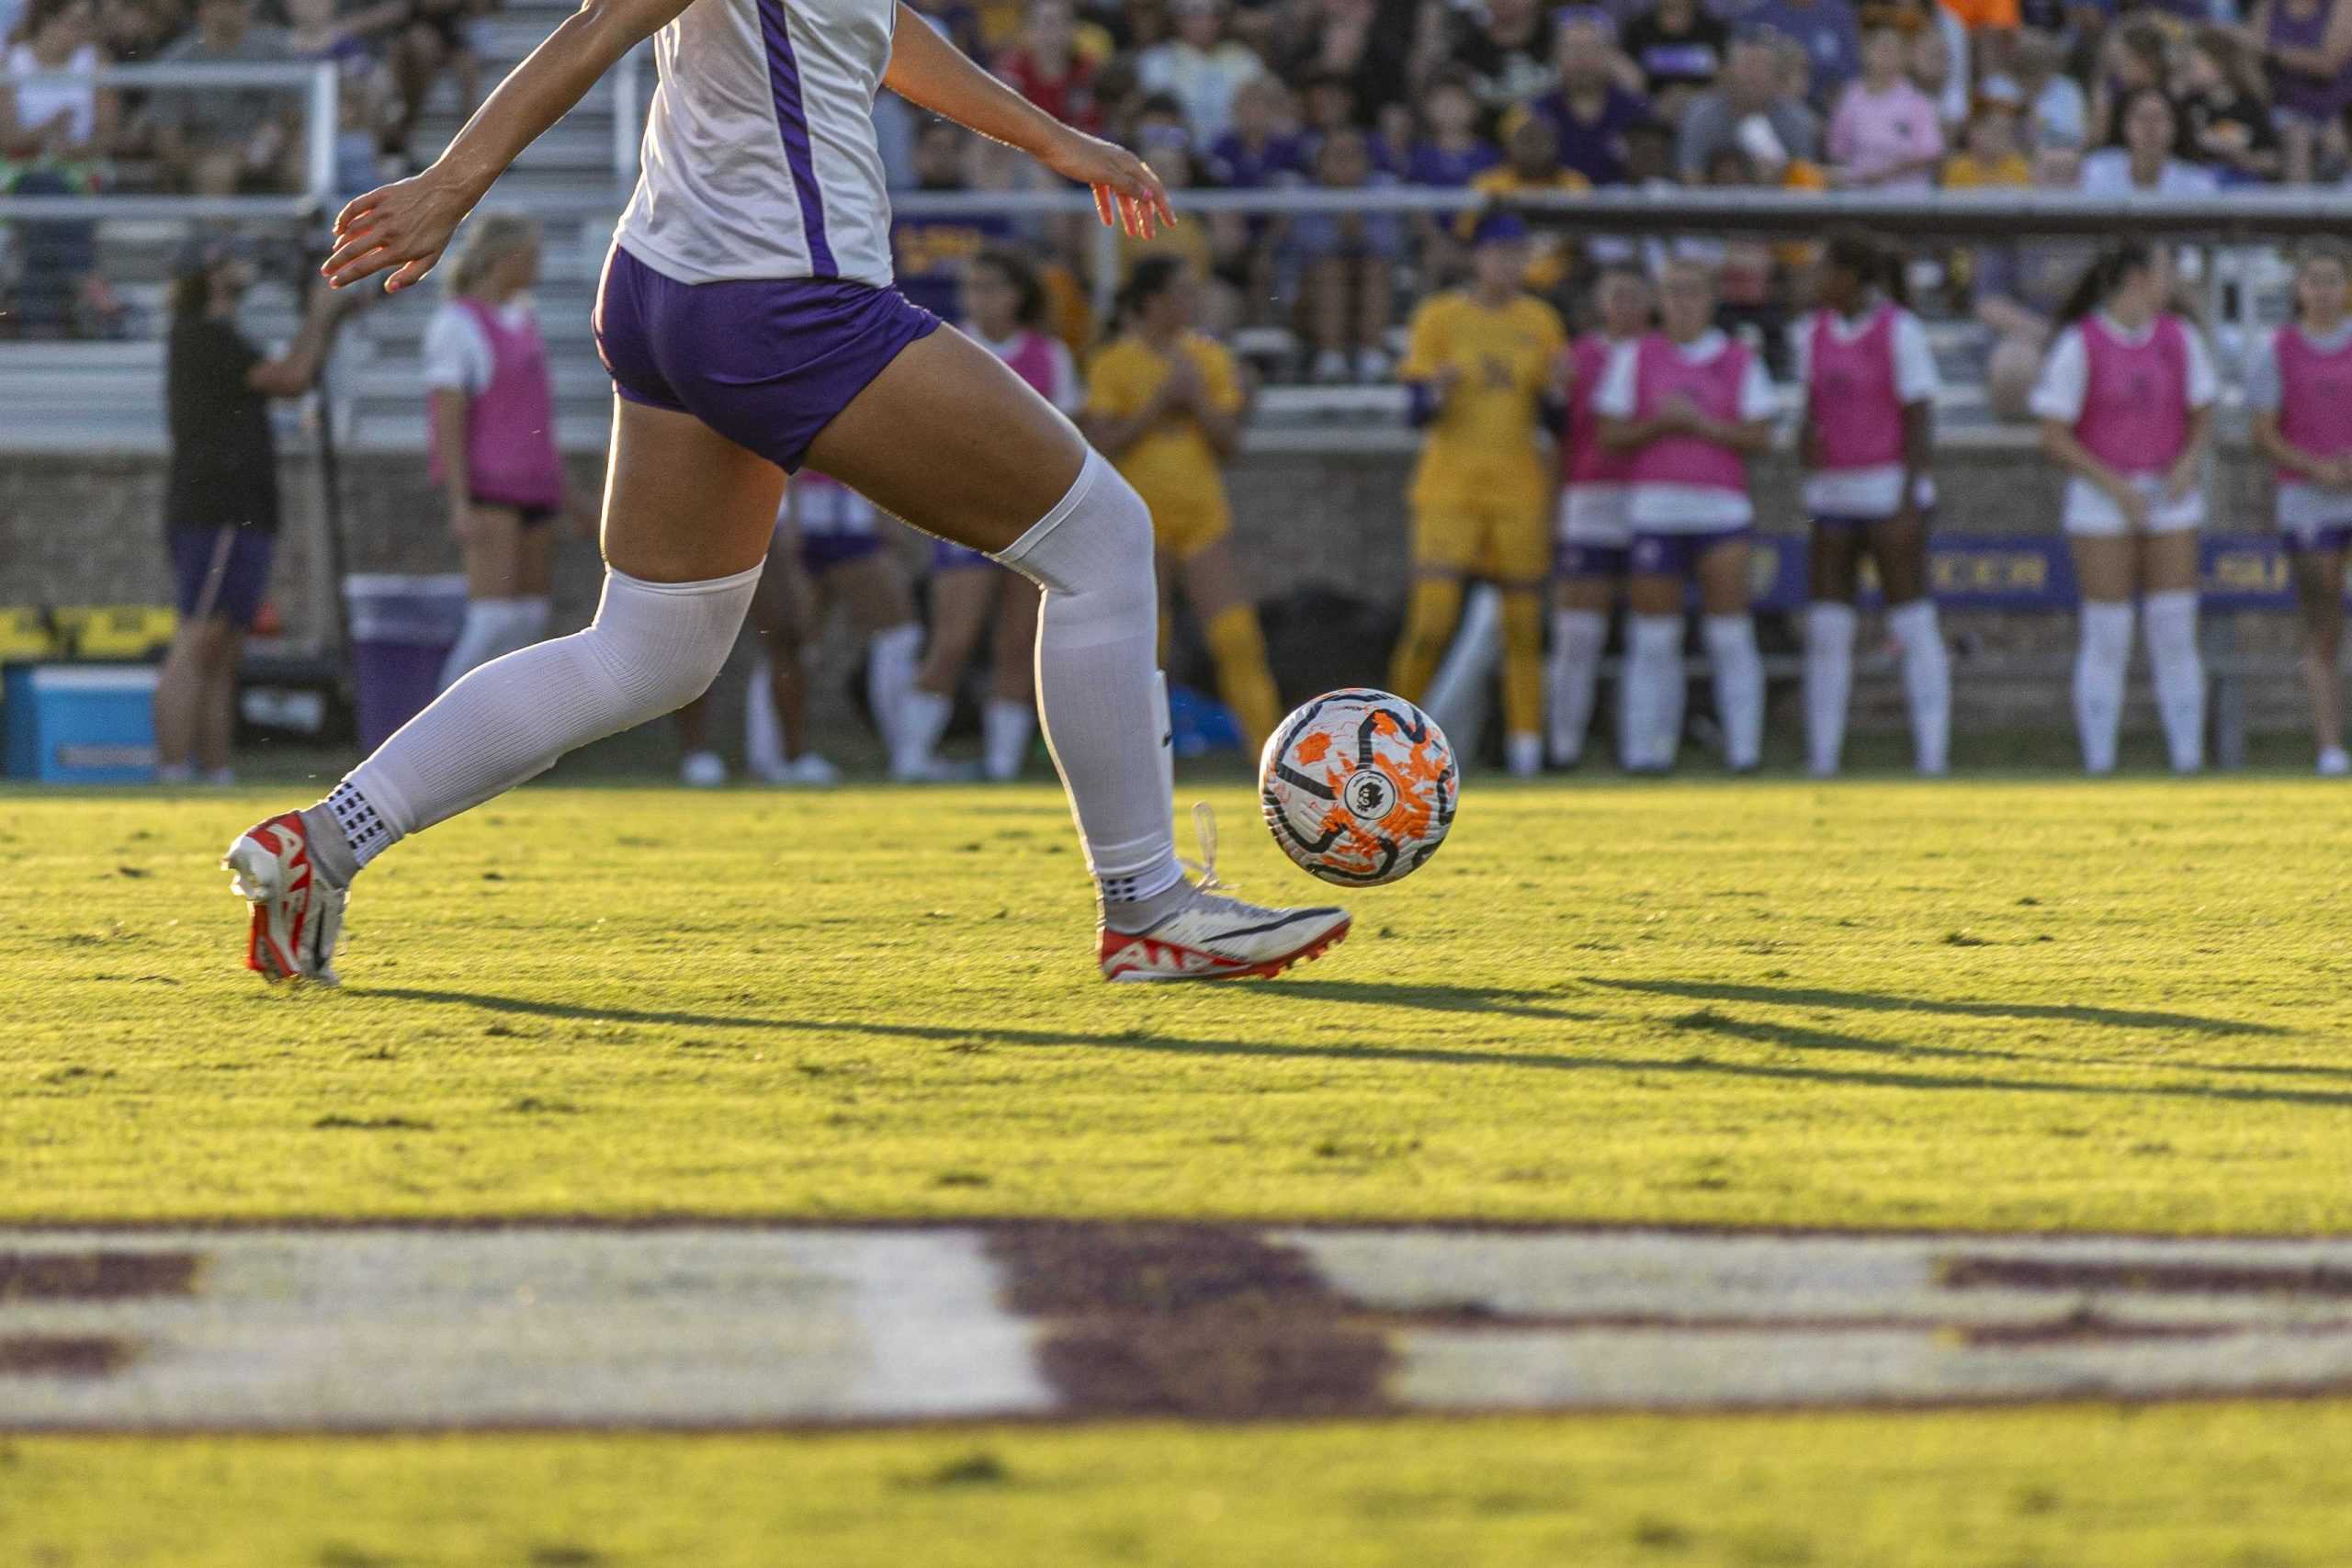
(1359,786)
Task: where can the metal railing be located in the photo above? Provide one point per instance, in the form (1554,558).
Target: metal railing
(316,80)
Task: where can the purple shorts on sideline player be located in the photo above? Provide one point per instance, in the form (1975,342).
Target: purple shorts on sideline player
(1677,555)
(220,573)
(820,553)
(766,363)
(2327,536)
(1581,562)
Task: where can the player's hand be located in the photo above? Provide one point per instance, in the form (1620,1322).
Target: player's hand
(403,227)
(2338,474)
(1127,196)
(1182,388)
(2182,479)
(1678,412)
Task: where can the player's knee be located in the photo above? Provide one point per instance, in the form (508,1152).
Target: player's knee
(661,644)
(1096,544)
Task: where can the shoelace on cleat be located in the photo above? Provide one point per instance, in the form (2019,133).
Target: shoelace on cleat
(1205,827)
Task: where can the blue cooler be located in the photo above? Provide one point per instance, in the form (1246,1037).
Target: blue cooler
(402,630)
(82,724)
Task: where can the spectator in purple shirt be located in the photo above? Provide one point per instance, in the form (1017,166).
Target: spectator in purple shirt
(1588,111)
(1449,151)
(1261,149)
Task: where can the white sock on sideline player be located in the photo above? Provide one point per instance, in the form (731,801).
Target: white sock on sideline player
(1578,637)
(2169,621)
(1927,683)
(1829,682)
(2099,665)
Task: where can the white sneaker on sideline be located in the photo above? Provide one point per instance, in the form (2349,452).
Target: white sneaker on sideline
(702,770)
(807,770)
(2335,762)
(1524,755)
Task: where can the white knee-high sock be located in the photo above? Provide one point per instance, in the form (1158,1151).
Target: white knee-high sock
(1578,636)
(1829,682)
(1739,687)
(2099,665)
(1652,695)
(1005,728)
(2170,621)
(1927,683)
(892,656)
(923,720)
(652,648)
(492,627)
(1097,633)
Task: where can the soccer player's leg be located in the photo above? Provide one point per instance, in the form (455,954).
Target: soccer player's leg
(1833,567)
(1723,571)
(2176,668)
(1519,550)
(2105,569)
(1445,542)
(1651,697)
(1219,596)
(2317,560)
(687,516)
(963,588)
(1899,545)
(1000,470)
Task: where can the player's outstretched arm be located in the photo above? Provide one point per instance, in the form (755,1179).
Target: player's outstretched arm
(404,225)
(928,71)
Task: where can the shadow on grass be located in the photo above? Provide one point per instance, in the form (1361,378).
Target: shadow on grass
(1878,1001)
(1399,1056)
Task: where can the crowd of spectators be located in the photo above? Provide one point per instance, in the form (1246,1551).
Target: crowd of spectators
(66,129)
(2177,96)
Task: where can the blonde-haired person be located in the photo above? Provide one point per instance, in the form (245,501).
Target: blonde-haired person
(490,418)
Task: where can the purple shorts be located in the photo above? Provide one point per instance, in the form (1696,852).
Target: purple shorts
(1582,561)
(820,553)
(1677,555)
(766,363)
(1835,521)
(220,573)
(2317,541)
(948,556)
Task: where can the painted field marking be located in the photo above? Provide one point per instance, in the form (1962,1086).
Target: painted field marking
(423,1328)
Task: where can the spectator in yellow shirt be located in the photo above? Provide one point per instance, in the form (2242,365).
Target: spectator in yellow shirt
(1480,363)
(1164,403)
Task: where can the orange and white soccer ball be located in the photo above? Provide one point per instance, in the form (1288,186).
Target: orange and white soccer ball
(1359,786)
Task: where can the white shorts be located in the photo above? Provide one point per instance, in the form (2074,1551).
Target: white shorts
(2091,515)
(1596,514)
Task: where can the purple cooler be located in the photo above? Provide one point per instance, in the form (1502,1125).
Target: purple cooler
(402,628)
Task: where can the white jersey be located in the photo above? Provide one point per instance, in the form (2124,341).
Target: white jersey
(759,155)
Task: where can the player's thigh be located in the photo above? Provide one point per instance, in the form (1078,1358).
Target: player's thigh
(1656,594)
(1833,563)
(1723,571)
(875,590)
(1449,537)
(950,439)
(1013,656)
(2319,591)
(1899,545)
(959,612)
(683,503)
(1588,593)
(2168,562)
(535,559)
(1212,576)
(492,551)
(2105,567)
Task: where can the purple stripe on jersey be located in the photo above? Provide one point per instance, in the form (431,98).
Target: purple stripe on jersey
(792,120)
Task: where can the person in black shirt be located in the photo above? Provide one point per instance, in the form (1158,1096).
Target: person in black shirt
(221,498)
(1680,49)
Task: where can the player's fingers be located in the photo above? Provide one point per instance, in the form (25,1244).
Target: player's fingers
(411,272)
(1103,199)
(1139,217)
(358,207)
(349,251)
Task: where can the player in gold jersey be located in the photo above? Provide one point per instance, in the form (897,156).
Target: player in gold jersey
(1480,363)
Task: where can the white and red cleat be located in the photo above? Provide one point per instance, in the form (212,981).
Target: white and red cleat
(298,914)
(1217,938)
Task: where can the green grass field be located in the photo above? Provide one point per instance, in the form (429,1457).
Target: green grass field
(1989,1004)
